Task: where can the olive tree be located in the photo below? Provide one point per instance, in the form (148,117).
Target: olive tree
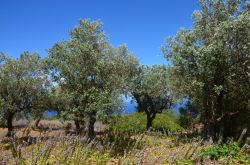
(91,73)
(210,64)
(151,91)
(23,86)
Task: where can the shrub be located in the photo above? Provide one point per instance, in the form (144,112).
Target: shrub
(133,122)
(167,122)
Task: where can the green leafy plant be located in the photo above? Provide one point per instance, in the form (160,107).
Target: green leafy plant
(221,150)
(136,123)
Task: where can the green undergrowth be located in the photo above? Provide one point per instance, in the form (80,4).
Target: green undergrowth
(136,122)
(224,151)
(120,148)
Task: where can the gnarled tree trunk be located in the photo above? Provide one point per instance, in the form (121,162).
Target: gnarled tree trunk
(209,119)
(9,124)
(150,118)
(37,123)
(78,127)
(91,127)
(209,129)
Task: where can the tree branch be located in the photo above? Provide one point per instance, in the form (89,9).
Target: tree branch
(227,114)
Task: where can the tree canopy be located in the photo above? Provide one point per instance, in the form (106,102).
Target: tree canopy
(151,91)
(91,73)
(210,63)
(23,86)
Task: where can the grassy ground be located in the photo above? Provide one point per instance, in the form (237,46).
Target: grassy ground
(52,146)
(165,122)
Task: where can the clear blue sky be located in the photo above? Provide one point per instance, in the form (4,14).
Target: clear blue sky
(35,25)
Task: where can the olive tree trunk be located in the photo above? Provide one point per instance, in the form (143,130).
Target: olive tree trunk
(9,124)
(78,127)
(150,118)
(37,122)
(91,127)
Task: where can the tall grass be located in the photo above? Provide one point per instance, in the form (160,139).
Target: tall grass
(113,146)
(71,149)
